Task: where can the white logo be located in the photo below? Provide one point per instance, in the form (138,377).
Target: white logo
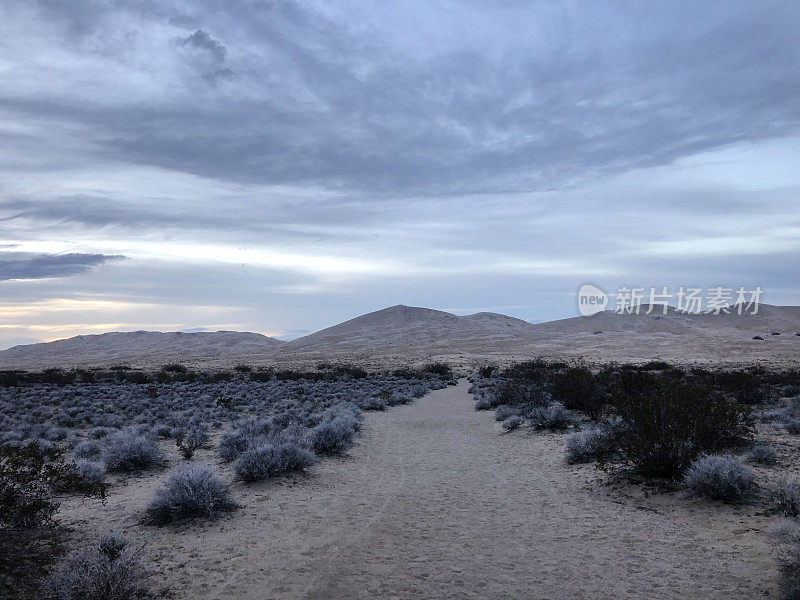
(591,300)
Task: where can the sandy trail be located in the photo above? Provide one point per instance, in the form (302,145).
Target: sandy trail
(434,503)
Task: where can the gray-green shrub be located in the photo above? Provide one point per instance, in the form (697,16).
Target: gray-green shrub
(763,454)
(192,490)
(272,460)
(332,437)
(108,570)
(90,471)
(128,451)
(88,449)
(784,496)
(582,447)
(512,423)
(504,411)
(787,536)
(554,417)
(720,477)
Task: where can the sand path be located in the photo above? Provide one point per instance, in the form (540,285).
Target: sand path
(434,503)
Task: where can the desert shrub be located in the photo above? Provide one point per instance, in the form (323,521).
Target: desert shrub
(583,446)
(655,365)
(88,449)
(720,477)
(763,454)
(221,376)
(554,417)
(513,422)
(787,536)
(504,411)
(192,490)
(190,440)
(109,570)
(663,425)
(398,399)
(483,403)
(518,393)
(373,403)
(533,371)
(232,444)
(98,433)
(56,434)
(778,415)
(578,389)
(418,390)
(438,368)
(332,436)
(164,431)
(487,371)
(137,377)
(29,474)
(347,411)
(790,390)
(127,451)
(784,496)
(746,386)
(225,402)
(262,375)
(90,471)
(272,460)
(349,371)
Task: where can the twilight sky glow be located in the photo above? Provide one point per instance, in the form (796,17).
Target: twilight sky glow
(279,166)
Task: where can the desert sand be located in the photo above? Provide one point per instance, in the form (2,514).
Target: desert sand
(433,502)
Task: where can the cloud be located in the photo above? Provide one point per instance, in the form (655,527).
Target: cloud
(479,98)
(359,154)
(201,39)
(16,265)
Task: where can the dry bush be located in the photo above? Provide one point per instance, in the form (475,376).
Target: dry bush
(109,570)
(192,490)
(720,477)
(664,424)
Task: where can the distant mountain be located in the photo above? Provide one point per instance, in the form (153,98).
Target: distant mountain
(409,334)
(407,326)
(405,334)
(769,318)
(141,348)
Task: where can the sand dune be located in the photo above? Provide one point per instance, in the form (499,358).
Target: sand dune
(402,334)
(140,347)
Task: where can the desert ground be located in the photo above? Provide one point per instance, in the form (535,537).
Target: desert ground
(434,501)
(311,474)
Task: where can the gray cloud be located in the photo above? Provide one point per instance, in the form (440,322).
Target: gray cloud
(18,265)
(343,100)
(499,153)
(201,39)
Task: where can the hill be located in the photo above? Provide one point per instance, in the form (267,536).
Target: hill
(138,348)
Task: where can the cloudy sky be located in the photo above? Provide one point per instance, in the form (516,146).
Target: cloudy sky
(279,166)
